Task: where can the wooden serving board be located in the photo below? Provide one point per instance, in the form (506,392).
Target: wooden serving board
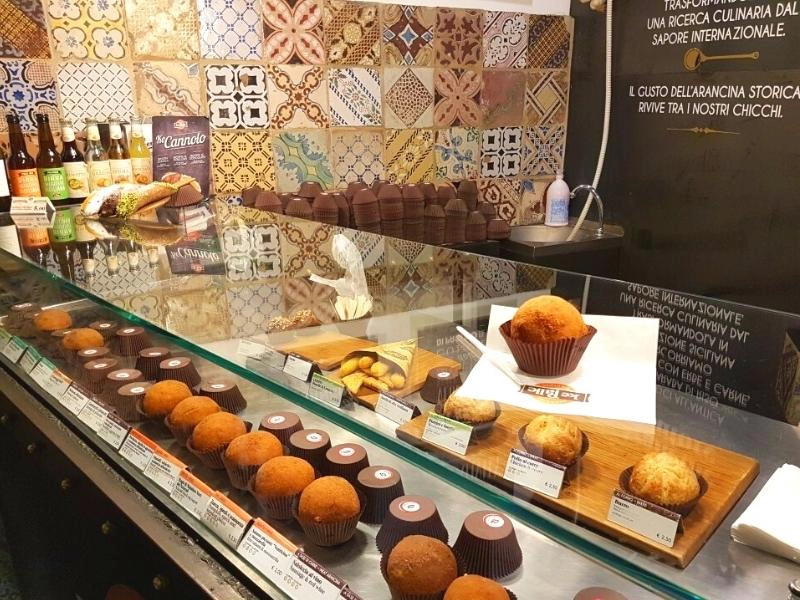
(327,349)
(613,446)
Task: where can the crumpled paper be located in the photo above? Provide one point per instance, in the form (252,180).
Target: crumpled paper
(353,299)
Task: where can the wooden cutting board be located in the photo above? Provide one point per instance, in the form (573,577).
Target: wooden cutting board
(614,446)
(327,349)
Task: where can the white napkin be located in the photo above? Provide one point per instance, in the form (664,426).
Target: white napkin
(770,523)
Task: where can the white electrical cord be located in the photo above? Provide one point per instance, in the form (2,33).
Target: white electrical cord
(606,123)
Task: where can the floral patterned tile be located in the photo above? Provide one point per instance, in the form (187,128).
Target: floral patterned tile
(251,252)
(27,87)
(505,195)
(458,38)
(494,279)
(297,96)
(405,252)
(408,97)
(237,96)
(408,34)
(302,294)
(163,28)
(503,98)
(549,42)
(532,205)
(293,32)
(253,305)
(409,156)
(91,89)
(458,152)
(241,159)
(410,289)
(23,31)
(356,156)
(501,152)
(546,97)
(302,156)
(457,97)
(372,248)
(352,32)
(168,88)
(230,29)
(531,278)
(355,97)
(544,150)
(306,247)
(88,29)
(505,40)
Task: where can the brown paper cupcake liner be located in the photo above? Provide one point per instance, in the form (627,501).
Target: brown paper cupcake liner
(399,596)
(148,365)
(213,459)
(143,416)
(283,434)
(181,434)
(393,530)
(493,559)
(129,346)
(275,507)
(240,475)
(378,506)
(126,408)
(329,534)
(683,509)
(479,430)
(574,468)
(550,359)
(231,400)
(187,374)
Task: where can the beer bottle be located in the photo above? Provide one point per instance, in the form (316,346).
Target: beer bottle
(86,242)
(71,157)
(141,157)
(21,166)
(97,163)
(62,240)
(9,240)
(121,168)
(52,176)
(35,244)
(5,191)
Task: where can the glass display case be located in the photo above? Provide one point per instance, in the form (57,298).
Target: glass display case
(293,319)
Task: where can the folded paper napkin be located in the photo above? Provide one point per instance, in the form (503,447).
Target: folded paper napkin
(770,522)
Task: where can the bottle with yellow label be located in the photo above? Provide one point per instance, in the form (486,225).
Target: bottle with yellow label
(72,159)
(118,155)
(141,157)
(52,175)
(97,163)
(21,167)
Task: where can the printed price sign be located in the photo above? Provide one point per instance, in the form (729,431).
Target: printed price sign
(326,390)
(447,433)
(535,473)
(164,469)
(14,349)
(74,400)
(298,367)
(192,494)
(56,383)
(262,548)
(395,409)
(113,429)
(348,594)
(251,349)
(226,519)
(29,359)
(94,416)
(316,582)
(647,519)
(138,449)
(261,352)
(41,371)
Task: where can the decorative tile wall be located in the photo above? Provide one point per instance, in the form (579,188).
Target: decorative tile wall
(328,90)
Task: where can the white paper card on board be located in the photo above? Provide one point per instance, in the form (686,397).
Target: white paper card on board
(535,473)
(395,409)
(226,520)
(297,367)
(192,494)
(268,555)
(316,582)
(447,433)
(113,430)
(651,521)
(326,390)
(14,349)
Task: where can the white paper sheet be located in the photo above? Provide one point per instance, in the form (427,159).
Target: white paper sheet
(618,371)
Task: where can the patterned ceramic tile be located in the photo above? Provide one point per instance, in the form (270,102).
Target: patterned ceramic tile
(293,32)
(237,96)
(371,246)
(306,246)
(549,40)
(352,32)
(168,88)
(408,34)
(241,159)
(408,97)
(458,152)
(251,252)
(23,31)
(253,305)
(544,150)
(406,252)
(297,96)
(501,152)
(457,97)
(230,29)
(201,315)
(409,156)
(356,156)
(88,28)
(495,278)
(505,40)
(546,97)
(410,289)
(532,203)
(503,98)
(355,97)
(163,28)
(504,194)
(533,277)
(94,89)
(301,294)
(458,37)
(302,157)
(27,87)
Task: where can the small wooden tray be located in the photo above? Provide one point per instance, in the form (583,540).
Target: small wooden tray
(613,446)
(327,349)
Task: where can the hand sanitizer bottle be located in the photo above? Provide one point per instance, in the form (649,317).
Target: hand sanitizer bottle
(557,203)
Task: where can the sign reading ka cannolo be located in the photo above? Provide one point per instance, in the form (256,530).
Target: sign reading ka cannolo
(181,145)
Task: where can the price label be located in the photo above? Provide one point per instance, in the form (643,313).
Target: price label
(297,367)
(14,349)
(94,416)
(113,429)
(31,205)
(261,352)
(74,400)
(326,390)
(395,409)
(191,493)
(5,337)
(29,359)
(262,549)
(251,349)
(226,519)
(316,582)
(41,371)
(447,433)
(535,473)
(647,519)
(164,469)
(138,449)
(348,594)
(56,383)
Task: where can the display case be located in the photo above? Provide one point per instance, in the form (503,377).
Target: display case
(232,308)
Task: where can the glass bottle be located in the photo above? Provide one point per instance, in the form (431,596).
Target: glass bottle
(141,157)
(52,175)
(21,166)
(132,254)
(110,250)
(118,155)
(62,240)
(86,242)
(5,191)
(9,238)
(35,244)
(97,163)
(71,157)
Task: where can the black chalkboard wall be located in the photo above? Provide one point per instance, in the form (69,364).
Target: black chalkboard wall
(708,192)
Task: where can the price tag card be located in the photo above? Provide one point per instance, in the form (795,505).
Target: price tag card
(348,594)
(56,383)
(192,494)
(227,519)
(94,416)
(113,429)
(535,473)
(29,359)
(395,409)
(447,433)
(251,349)
(647,519)
(269,552)
(326,390)
(297,367)
(74,400)
(31,205)
(164,469)
(5,337)
(138,449)
(316,582)
(14,349)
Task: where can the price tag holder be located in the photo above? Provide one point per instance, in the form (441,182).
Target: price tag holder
(261,352)
(298,367)
(31,205)
(14,349)
(94,417)
(251,349)
(164,469)
(316,582)
(447,433)
(138,449)
(191,493)
(113,429)
(647,519)
(326,390)
(74,400)
(227,519)
(395,409)
(49,378)
(348,594)
(29,359)
(535,473)
(262,548)
(5,337)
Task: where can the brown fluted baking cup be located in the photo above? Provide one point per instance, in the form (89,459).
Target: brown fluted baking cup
(226,393)
(282,425)
(550,359)
(399,596)
(683,509)
(130,340)
(149,359)
(213,459)
(380,486)
(422,519)
(479,430)
(276,507)
(487,545)
(329,534)
(440,382)
(240,475)
(126,406)
(345,461)
(179,368)
(143,416)
(573,468)
(181,434)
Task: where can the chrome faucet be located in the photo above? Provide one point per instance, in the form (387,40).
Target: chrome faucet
(592,192)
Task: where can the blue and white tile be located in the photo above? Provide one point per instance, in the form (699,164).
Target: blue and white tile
(230,29)
(27,87)
(237,96)
(92,89)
